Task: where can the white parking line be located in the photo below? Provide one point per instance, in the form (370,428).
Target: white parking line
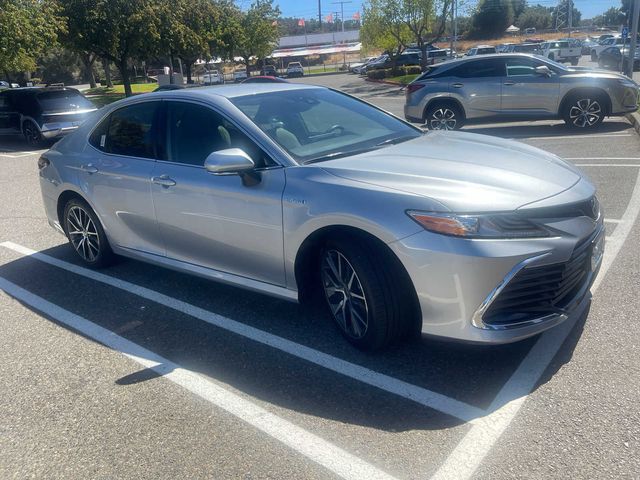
(333,458)
(573,137)
(612,220)
(479,440)
(631,159)
(607,164)
(19,155)
(420,395)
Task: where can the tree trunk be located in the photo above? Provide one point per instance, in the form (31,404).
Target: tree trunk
(87,62)
(187,66)
(126,79)
(246,61)
(106,64)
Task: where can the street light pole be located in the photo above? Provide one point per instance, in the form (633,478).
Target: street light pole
(342,2)
(635,5)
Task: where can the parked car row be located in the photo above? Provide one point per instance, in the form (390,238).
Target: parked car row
(216,77)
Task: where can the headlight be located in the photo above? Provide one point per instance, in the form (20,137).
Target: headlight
(479,226)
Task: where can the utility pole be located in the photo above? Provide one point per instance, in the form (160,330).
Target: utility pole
(570,15)
(454,25)
(320,14)
(635,5)
(342,2)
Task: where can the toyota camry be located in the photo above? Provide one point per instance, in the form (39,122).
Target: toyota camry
(311,195)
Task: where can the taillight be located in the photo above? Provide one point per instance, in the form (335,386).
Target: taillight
(413,87)
(43,162)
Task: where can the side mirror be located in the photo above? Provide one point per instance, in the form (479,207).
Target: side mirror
(229,161)
(543,71)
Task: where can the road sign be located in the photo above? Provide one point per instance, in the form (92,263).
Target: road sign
(625,32)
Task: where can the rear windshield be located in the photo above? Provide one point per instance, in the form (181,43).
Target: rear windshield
(63,100)
(486,50)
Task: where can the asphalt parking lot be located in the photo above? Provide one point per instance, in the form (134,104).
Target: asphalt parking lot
(140,372)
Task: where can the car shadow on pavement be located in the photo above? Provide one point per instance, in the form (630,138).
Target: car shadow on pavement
(544,129)
(467,373)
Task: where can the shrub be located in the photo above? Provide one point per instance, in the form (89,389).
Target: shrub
(378,74)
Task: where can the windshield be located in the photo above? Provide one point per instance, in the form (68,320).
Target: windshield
(63,100)
(317,124)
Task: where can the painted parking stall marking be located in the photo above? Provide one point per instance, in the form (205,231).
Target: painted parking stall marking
(311,446)
(477,443)
(422,396)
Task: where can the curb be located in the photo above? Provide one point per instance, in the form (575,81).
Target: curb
(634,118)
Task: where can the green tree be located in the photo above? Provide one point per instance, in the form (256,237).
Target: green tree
(27,29)
(537,17)
(491,18)
(422,20)
(614,17)
(118,30)
(383,27)
(254,33)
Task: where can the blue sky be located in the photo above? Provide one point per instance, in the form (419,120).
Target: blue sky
(309,8)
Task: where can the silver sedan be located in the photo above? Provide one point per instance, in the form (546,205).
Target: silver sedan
(309,194)
(516,87)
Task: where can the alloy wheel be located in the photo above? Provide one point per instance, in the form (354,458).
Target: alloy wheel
(585,113)
(83,233)
(345,294)
(443,119)
(31,134)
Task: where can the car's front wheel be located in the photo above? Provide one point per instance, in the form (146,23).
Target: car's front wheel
(575,61)
(584,111)
(367,297)
(444,116)
(86,235)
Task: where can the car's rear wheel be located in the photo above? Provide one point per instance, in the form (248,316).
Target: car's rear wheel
(584,111)
(444,116)
(574,61)
(364,293)
(86,235)
(32,134)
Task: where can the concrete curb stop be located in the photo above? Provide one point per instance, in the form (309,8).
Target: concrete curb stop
(634,118)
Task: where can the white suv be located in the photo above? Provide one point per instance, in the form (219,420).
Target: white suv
(213,77)
(294,69)
(606,43)
(562,51)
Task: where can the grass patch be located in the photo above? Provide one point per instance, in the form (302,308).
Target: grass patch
(119,89)
(404,79)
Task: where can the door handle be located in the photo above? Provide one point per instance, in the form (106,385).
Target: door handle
(163,180)
(89,168)
(457,85)
(509,83)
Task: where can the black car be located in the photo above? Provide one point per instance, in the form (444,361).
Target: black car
(402,60)
(618,59)
(41,113)
(269,71)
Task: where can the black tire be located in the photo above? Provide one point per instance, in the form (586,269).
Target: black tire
(552,56)
(575,61)
(32,134)
(390,310)
(444,116)
(86,237)
(594,56)
(585,110)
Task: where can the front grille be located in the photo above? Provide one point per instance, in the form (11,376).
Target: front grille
(535,292)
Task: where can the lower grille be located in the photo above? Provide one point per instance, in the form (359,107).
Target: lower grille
(535,292)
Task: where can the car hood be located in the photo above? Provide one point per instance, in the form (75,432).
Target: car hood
(462,171)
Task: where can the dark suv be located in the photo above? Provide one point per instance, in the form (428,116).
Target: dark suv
(402,60)
(42,113)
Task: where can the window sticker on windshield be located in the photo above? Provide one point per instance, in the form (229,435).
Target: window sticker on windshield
(103,139)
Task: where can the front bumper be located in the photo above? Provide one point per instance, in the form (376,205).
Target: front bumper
(457,280)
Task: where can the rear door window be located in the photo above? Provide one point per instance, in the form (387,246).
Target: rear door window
(132,131)
(479,69)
